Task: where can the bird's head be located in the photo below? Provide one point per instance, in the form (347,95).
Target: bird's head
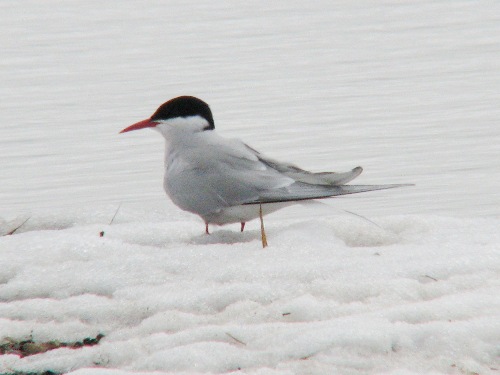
(184,112)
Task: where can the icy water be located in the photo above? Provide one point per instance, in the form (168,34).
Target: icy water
(410,92)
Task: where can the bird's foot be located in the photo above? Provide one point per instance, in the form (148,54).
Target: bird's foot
(206,228)
(242,226)
(262,231)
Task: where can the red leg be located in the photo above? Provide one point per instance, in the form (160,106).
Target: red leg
(206,228)
(242,226)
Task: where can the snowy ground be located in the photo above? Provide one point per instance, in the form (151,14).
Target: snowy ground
(334,295)
(408,91)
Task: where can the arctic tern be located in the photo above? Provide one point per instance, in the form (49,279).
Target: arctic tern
(226,181)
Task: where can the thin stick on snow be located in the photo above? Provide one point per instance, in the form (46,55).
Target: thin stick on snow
(116,213)
(101,234)
(16,228)
(430,277)
(235,339)
(363,217)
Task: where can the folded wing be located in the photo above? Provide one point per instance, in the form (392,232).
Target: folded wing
(302,191)
(229,173)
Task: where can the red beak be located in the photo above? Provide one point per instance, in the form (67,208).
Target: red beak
(140,125)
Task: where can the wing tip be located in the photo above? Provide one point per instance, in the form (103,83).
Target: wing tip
(341,190)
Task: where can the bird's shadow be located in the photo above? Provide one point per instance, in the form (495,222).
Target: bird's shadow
(225,236)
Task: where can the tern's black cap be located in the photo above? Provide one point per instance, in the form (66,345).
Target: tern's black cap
(185,106)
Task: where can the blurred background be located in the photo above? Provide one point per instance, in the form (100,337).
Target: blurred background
(410,92)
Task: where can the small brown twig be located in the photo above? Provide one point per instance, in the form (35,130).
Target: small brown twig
(101,233)
(116,213)
(235,339)
(16,228)
(430,277)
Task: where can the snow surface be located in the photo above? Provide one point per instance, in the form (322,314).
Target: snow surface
(409,91)
(330,295)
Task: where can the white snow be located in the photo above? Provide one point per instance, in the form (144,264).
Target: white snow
(329,295)
(409,91)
